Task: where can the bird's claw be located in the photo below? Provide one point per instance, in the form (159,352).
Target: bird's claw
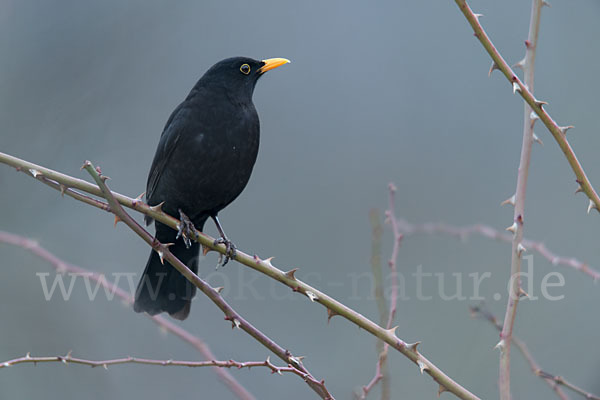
(230,251)
(185,229)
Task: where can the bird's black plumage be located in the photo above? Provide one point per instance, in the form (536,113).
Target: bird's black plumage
(203,162)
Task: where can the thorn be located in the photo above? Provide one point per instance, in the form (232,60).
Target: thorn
(158,207)
(105,366)
(330,314)
(513,228)
(290,273)
(519,64)
(545,3)
(579,190)
(516,87)
(441,390)
(138,199)
(422,366)
(235,323)
(493,67)
(537,139)
(564,129)
(413,346)
(161,254)
(313,297)
(477,16)
(533,116)
(501,345)
(296,360)
(591,205)
(28,355)
(540,103)
(117,219)
(205,250)
(268,261)
(510,200)
(528,44)
(523,293)
(520,249)
(34,172)
(104,178)
(63,188)
(392,331)
(219,289)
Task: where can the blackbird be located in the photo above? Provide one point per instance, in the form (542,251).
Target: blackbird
(203,162)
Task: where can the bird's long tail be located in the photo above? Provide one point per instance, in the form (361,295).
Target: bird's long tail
(162,287)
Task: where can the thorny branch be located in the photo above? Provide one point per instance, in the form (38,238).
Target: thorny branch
(72,185)
(553,381)
(380,368)
(68,359)
(558,132)
(62,266)
(213,294)
(463,233)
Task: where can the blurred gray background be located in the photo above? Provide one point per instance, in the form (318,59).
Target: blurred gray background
(376,92)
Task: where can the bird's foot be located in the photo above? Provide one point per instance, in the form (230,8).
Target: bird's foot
(230,251)
(186,229)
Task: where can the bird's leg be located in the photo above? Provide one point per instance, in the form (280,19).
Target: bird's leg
(185,229)
(230,247)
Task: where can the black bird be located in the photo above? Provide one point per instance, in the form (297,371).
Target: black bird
(203,162)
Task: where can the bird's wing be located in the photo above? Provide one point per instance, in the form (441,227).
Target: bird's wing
(167,144)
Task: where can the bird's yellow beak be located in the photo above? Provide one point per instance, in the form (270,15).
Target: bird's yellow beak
(272,63)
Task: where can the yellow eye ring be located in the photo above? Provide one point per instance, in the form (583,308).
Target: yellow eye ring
(245,68)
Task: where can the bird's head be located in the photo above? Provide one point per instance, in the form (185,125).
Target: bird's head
(238,75)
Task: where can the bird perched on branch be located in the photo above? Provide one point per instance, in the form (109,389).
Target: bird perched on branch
(203,162)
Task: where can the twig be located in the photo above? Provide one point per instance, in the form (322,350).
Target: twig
(517,226)
(62,266)
(265,267)
(68,359)
(463,232)
(552,380)
(213,294)
(558,132)
(381,367)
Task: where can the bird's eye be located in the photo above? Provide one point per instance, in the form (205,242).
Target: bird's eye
(245,68)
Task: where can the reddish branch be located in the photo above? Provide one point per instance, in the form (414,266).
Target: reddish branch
(73,185)
(558,132)
(68,359)
(391,218)
(553,381)
(62,266)
(213,294)
(463,233)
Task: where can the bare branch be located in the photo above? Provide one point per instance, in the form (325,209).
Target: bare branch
(68,359)
(463,233)
(265,267)
(62,266)
(552,380)
(536,105)
(381,367)
(213,294)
